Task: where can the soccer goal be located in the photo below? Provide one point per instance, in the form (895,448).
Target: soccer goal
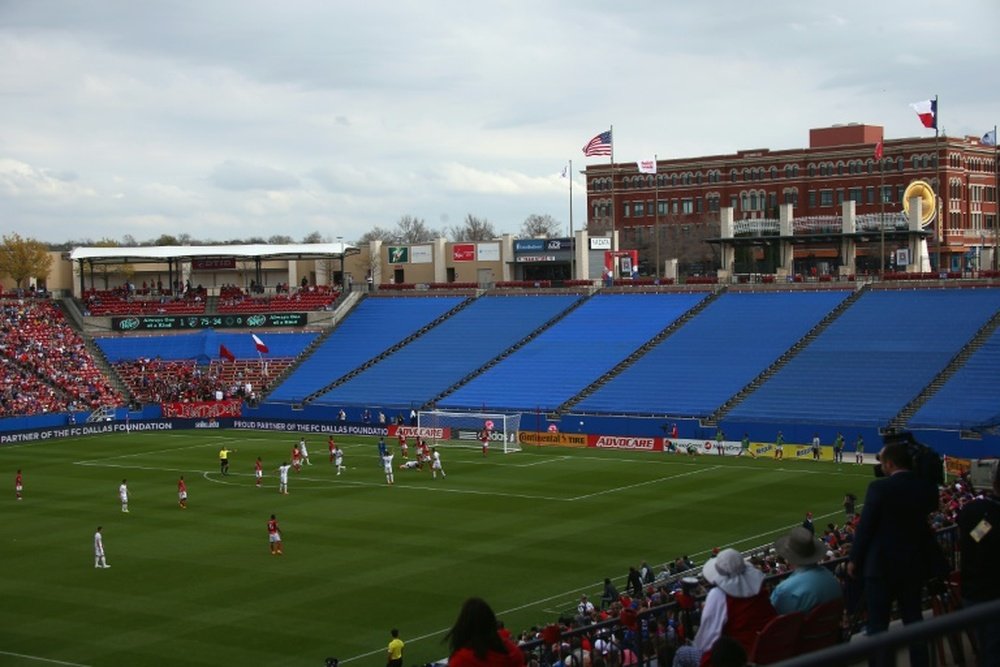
(466,428)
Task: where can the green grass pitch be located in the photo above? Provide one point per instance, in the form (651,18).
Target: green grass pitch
(529,532)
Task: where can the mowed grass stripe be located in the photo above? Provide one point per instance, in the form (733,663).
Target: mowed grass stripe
(528,531)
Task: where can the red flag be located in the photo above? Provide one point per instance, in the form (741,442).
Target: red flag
(259,344)
(878,150)
(226,354)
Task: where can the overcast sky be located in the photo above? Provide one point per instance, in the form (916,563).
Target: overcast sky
(228,119)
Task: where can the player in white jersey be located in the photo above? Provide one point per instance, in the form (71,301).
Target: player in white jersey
(387,464)
(123,495)
(304,451)
(99,560)
(436,464)
(338,458)
(283,477)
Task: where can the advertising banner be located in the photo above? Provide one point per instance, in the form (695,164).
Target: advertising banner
(552,438)
(213,263)
(421,254)
(488,252)
(399,254)
(432,432)
(559,244)
(203,409)
(529,245)
(600,243)
(167,322)
(463,252)
(339,428)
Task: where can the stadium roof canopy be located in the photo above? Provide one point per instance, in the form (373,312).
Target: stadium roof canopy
(172,253)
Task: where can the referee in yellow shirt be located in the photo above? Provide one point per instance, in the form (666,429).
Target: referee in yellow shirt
(224,459)
(395,649)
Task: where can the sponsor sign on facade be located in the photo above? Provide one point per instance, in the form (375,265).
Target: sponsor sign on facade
(399,254)
(600,243)
(535,258)
(463,252)
(488,252)
(421,254)
(213,263)
(559,244)
(529,245)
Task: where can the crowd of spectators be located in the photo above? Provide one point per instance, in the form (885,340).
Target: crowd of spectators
(184,381)
(46,365)
(232,299)
(619,631)
(146,299)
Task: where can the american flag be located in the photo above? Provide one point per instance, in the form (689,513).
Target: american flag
(599,145)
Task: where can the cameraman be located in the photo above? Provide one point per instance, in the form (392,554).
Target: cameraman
(979,531)
(893,546)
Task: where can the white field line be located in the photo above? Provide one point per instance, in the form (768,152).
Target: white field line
(646,483)
(41,659)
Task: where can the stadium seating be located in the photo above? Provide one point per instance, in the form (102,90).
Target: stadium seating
(578,349)
(48,362)
(446,354)
(376,324)
(120,302)
(235,300)
(969,398)
(714,355)
(876,357)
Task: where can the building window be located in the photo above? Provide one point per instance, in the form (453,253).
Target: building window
(734,202)
(733,177)
(871,194)
(900,189)
(674,206)
(812,170)
(661,207)
(887,194)
(699,205)
(811,198)
(687,206)
(855,195)
(825,197)
(639,209)
(772,200)
(899,164)
(840,196)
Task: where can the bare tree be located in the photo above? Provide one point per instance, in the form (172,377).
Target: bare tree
(377,233)
(312,237)
(411,229)
(473,229)
(539,226)
(280,239)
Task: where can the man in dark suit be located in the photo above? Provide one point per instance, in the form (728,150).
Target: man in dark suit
(893,549)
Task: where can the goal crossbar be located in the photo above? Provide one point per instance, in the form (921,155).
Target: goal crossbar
(468,428)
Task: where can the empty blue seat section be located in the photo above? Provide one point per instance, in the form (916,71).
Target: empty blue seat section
(449,352)
(574,352)
(714,355)
(873,359)
(374,325)
(203,345)
(971,397)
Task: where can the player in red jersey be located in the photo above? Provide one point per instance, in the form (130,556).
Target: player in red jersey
(296,458)
(274,536)
(258,471)
(425,452)
(18,484)
(404,449)
(484,439)
(332,446)
(182,493)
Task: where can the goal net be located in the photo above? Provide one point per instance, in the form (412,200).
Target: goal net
(467,428)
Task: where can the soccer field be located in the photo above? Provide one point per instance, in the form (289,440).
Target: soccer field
(529,532)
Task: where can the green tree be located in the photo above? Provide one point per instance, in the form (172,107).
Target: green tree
(23,259)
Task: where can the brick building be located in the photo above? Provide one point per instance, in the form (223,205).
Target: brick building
(838,165)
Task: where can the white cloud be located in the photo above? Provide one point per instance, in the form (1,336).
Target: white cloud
(231,119)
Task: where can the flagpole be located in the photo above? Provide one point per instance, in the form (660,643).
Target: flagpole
(996,197)
(572,243)
(881,198)
(611,165)
(656,212)
(937,161)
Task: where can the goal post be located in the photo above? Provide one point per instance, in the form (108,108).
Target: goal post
(466,428)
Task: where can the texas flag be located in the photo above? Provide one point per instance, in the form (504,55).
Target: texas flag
(259,344)
(927,112)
